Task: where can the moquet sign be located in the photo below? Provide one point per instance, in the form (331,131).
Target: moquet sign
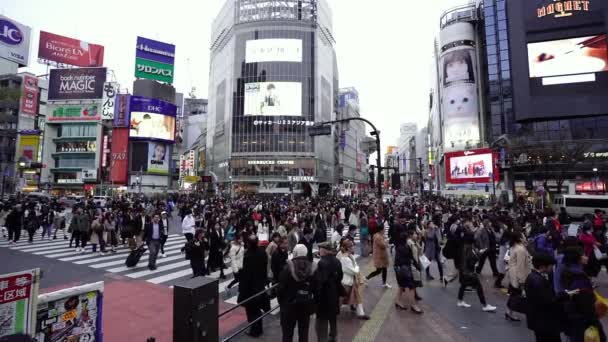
(560,9)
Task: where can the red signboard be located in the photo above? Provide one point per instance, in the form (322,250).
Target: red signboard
(29,97)
(589,187)
(119,160)
(472,166)
(60,49)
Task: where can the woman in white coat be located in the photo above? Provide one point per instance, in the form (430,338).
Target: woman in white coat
(237,252)
(351,279)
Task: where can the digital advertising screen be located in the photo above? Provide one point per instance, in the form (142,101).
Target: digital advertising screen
(273,98)
(152,125)
(470,166)
(581,55)
(273,50)
(158,158)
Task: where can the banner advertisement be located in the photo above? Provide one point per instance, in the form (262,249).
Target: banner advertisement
(64,50)
(28,147)
(119,155)
(65,113)
(18,297)
(76,84)
(471,166)
(459,90)
(153,70)
(202,159)
(73,314)
(158,158)
(14,41)
(29,96)
(121,110)
(110,90)
(273,98)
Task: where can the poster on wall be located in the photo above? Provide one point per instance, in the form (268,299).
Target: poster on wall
(152,119)
(158,158)
(29,96)
(273,50)
(64,50)
(73,314)
(458,67)
(76,84)
(471,166)
(18,297)
(570,56)
(273,98)
(110,90)
(121,110)
(28,148)
(14,41)
(74,113)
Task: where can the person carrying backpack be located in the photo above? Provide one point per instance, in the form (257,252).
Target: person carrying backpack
(296,295)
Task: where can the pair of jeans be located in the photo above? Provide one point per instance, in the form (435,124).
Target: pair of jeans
(382,270)
(254,311)
(153,246)
(491,256)
(471,281)
(46,229)
(321,326)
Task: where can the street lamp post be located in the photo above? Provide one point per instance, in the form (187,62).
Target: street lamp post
(493,185)
(230,177)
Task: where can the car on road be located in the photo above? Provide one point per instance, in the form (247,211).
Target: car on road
(101,200)
(40,197)
(71,200)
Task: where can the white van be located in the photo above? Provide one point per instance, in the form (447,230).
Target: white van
(101,200)
(578,206)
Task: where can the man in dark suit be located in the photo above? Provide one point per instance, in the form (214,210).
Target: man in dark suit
(329,287)
(252,282)
(153,232)
(544,310)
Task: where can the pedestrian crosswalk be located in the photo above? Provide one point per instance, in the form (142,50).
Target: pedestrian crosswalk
(170,269)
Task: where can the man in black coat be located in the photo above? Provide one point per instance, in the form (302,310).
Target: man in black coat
(14,223)
(153,232)
(252,281)
(329,284)
(544,310)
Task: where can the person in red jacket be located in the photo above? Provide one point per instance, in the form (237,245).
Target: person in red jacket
(598,220)
(589,244)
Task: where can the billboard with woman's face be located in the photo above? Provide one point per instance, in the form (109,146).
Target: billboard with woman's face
(158,158)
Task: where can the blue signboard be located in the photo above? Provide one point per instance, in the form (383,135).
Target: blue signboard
(154,50)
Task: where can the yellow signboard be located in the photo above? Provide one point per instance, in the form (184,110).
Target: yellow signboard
(191,179)
(28,148)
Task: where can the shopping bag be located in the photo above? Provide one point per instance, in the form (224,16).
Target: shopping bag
(601,305)
(598,254)
(592,334)
(424,262)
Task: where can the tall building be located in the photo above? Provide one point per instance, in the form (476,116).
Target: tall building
(351,167)
(273,75)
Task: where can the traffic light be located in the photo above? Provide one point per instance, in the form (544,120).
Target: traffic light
(395,181)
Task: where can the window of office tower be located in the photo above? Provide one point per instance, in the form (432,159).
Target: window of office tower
(256,10)
(273,102)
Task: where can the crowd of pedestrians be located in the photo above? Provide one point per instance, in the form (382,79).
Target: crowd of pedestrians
(306,253)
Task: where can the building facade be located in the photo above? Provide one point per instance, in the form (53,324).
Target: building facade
(273,75)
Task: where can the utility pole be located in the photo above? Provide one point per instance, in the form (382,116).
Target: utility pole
(375,133)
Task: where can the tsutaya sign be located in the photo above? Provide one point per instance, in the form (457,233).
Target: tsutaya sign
(561,8)
(301,179)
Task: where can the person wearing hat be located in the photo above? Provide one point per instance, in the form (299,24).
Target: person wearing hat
(295,293)
(543,306)
(328,279)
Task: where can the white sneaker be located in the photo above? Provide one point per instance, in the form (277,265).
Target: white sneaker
(387,286)
(77,249)
(163,255)
(488,308)
(463,304)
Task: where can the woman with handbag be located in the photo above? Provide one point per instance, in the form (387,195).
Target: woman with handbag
(380,256)
(405,265)
(520,266)
(352,278)
(432,248)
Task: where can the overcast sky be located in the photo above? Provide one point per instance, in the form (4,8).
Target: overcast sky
(383,46)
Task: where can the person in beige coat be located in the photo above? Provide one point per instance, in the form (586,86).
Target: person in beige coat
(520,266)
(380,256)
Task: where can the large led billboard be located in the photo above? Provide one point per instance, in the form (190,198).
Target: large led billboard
(151,119)
(273,50)
(581,55)
(273,98)
(471,166)
(146,125)
(558,58)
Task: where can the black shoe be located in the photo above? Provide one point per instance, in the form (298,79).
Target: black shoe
(152,268)
(55,237)
(399,307)
(417,297)
(250,334)
(429,277)
(364,317)
(511,318)
(65,237)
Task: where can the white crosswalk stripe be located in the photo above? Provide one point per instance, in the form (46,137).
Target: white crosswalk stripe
(170,269)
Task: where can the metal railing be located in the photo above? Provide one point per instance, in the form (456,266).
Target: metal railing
(238,305)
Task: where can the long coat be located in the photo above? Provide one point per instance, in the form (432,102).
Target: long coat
(252,277)
(328,278)
(431,243)
(380,254)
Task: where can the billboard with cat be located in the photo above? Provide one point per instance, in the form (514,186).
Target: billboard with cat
(459,94)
